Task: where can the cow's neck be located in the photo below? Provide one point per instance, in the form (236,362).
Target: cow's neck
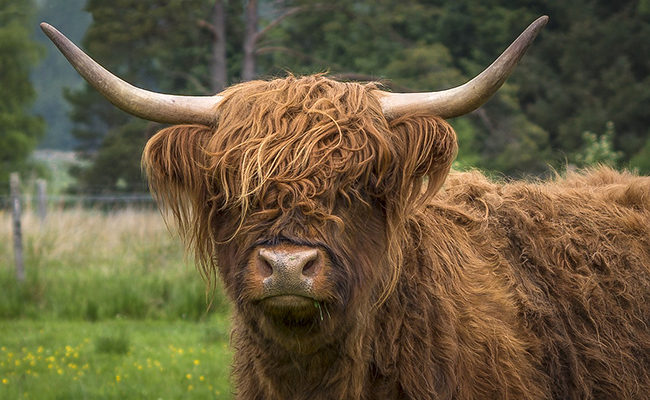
(337,371)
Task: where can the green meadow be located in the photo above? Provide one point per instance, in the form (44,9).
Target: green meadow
(110,309)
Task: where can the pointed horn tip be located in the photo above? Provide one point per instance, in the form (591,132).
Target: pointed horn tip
(47,28)
(529,34)
(539,23)
(50,31)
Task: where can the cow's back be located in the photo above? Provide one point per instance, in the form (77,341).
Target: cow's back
(574,254)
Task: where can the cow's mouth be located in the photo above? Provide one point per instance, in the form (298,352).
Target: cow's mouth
(294,312)
(288,301)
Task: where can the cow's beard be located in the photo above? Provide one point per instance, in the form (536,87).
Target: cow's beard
(280,357)
(299,333)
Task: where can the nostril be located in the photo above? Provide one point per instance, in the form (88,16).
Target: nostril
(264,266)
(310,268)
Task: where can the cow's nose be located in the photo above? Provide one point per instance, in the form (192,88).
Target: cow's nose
(289,270)
(288,264)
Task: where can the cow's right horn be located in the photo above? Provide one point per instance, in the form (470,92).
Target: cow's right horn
(165,108)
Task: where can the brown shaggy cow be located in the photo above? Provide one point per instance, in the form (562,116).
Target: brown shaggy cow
(356,274)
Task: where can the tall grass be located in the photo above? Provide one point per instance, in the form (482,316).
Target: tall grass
(93,265)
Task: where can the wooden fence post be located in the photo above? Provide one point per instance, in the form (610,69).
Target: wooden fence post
(18,235)
(41,192)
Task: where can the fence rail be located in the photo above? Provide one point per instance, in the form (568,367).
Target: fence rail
(40,201)
(144,199)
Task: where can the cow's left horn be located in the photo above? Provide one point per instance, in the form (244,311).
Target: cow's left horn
(148,105)
(466,98)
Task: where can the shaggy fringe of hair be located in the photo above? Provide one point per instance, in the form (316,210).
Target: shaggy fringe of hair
(296,144)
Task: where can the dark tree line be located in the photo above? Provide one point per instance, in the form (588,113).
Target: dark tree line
(19,130)
(588,68)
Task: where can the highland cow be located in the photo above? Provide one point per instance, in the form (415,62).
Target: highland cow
(359,268)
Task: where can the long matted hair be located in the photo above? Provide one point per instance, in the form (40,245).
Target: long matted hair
(298,143)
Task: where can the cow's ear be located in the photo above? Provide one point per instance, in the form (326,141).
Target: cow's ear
(426,148)
(174,162)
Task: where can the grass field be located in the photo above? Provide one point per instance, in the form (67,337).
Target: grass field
(114,360)
(110,309)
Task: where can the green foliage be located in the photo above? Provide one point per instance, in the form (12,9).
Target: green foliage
(641,161)
(426,67)
(516,147)
(19,130)
(468,150)
(115,166)
(599,150)
(593,70)
(644,8)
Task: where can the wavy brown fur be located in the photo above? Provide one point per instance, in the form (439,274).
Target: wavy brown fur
(486,291)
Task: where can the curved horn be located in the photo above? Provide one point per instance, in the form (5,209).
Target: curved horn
(165,108)
(466,98)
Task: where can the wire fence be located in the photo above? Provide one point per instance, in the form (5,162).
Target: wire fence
(112,201)
(40,201)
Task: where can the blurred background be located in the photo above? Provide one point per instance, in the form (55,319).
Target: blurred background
(101,271)
(580,95)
